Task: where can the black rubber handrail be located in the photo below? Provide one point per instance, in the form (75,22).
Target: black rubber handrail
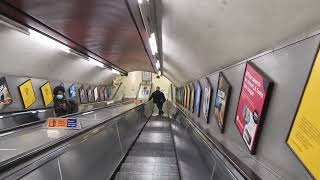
(23,157)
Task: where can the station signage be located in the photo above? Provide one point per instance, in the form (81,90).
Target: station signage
(63,123)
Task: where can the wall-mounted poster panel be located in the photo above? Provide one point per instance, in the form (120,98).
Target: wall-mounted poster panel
(252,105)
(90,95)
(207,99)
(108,92)
(27,94)
(101,93)
(197,100)
(184,96)
(304,137)
(222,101)
(191,97)
(144,92)
(96,94)
(5,96)
(146,76)
(46,93)
(73,92)
(82,95)
(188,97)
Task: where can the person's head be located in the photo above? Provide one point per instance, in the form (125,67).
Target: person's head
(158,88)
(59,92)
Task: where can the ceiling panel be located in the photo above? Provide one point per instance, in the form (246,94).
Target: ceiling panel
(104,28)
(201,37)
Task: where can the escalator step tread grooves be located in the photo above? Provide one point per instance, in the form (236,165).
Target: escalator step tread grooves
(152,156)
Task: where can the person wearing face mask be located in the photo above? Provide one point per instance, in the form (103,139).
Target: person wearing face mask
(61,105)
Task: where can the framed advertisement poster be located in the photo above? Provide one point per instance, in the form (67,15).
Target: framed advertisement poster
(96,94)
(46,93)
(197,98)
(27,94)
(252,105)
(191,97)
(188,97)
(5,96)
(207,99)
(304,136)
(82,95)
(72,92)
(222,99)
(90,95)
(101,93)
(108,92)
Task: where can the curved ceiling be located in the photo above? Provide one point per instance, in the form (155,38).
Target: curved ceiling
(102,29)
(201,37)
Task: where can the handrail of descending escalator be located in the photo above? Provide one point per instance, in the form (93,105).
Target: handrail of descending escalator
(23,157)
(243,169)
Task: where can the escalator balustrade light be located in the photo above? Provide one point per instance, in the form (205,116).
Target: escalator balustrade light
(95,62)
(115,71)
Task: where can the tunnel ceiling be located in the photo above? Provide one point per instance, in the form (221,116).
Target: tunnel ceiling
(103,29)
(203,36)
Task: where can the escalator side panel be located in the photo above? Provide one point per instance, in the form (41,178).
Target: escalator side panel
(49,171)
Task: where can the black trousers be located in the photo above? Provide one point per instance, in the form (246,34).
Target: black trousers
(160,105)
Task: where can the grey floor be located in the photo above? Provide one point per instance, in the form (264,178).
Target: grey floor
(153,155)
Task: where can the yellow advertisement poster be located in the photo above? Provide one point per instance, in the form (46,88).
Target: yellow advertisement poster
(46,93)
(27,94)
(304,138)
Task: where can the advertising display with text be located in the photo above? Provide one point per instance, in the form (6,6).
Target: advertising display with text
(27,94)
(82,95)
(252,105)
(304,137)
(46,93)
(197,98)
(206,99)
(191,97)
(5,96)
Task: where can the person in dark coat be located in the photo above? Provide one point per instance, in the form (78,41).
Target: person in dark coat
(158,98)
(63,106)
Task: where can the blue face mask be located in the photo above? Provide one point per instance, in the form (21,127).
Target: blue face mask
(59,96)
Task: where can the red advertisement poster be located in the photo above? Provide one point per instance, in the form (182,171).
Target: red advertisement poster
(252,105)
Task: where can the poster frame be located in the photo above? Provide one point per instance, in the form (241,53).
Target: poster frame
(209,86)
(72,85)
(35,97)
(297,110)
(200,98)
(82,101)
(90,89)
(265,105)
(7,86)
(222,76)
(191,98)
(96,96)
(43,95)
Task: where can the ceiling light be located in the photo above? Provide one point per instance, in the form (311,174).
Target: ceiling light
(115,71)
(1,117)
(48,41)
(153,44)
(140,1)
(95,62)
(158,65)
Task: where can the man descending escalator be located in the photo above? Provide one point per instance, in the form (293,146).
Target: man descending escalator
(158,98)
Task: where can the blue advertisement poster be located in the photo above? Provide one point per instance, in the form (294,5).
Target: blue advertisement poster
(197,104)
(72,92)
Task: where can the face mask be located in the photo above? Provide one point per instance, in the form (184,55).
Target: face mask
(59,96)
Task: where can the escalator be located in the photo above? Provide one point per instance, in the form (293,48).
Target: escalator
(153,154)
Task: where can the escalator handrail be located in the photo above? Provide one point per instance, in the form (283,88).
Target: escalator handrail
(25,156)
(245,171)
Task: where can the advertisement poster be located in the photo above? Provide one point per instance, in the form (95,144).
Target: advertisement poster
(304,137)
(46,93)
(146,76)
(27,94)
(108,92)
(184,96)
(5,95)
(73,92)
(197,97)
(144,92)
(101,93)
(188,97)
(222,101)
(82,95)
(191,97)
(90,95)
(206,99)
(96,94)
(252,105)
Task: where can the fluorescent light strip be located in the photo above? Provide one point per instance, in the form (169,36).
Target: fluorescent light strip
(95,62)
(48,41)
(159,73)
(153,44)
(140,1)
(158,65)
(115,71)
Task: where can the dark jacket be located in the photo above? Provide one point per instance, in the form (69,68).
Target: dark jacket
(65,106)
(158,97)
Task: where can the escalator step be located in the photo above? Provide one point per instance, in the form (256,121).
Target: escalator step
(151,160)
(149,169)
(131,176)
(155,153)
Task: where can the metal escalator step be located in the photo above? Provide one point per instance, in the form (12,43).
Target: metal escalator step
(155,153)
(149,169)
(151,160)
(152,146)
(131,176)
